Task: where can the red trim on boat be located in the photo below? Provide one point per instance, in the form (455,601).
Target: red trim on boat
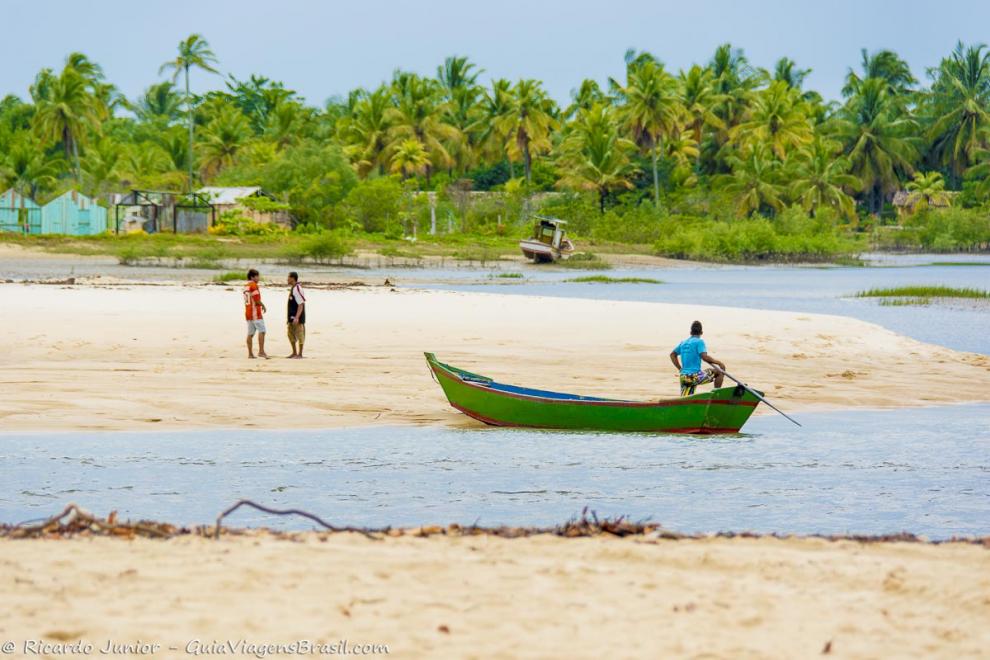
(611,404)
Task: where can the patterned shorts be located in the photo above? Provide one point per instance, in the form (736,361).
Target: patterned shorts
(690,381)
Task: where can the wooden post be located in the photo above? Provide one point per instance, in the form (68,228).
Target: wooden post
(433,214)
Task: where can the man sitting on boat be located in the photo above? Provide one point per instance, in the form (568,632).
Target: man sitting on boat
(687,358)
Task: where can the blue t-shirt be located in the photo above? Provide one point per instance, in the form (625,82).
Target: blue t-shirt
(690,351)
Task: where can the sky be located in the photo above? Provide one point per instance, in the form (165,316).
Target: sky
(325,48)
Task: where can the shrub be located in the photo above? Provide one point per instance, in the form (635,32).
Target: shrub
(374,204)
(790,237)
(321,247)
(233,223)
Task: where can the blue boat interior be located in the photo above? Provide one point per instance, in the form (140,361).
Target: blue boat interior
(525,391)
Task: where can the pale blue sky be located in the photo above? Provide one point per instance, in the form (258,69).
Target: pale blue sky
(326,48)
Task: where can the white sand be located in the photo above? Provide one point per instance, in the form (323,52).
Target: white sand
(143,357)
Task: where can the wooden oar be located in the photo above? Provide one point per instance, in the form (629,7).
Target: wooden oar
(754,393)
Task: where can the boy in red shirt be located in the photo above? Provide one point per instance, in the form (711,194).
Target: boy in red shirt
(253,314)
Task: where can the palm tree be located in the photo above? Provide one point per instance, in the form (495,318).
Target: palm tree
(527,122)
(927,189)
(148,165)
(651,110)
(194,52)
(820,178)
(754,181)
(102,167)
(417,116)
(460,109)
(456,73)
(494,138)
(365,131)
(410,158)
(159,102)
(223,137)
(734,81)
(585,96)
(885,65)
(786,71)
(29,170)
(777,118)
(700,101)
(66,111)
(258,98)
(287,123)
(878,138)
(960,104)
(594,156)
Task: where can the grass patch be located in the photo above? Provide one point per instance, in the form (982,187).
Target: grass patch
(395,252)
(480,253)
(230,276)
(507,276)
(925,292)
(605,279)
(959,263)
(905,302)
(584,261)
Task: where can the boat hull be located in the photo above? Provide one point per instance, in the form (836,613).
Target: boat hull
(724,410)
(539,252)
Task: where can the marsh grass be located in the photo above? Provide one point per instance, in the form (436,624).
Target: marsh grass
(905,302)
(926,292)
(605,279)
(506,276)
(959,263)
(584,261)
(230,276)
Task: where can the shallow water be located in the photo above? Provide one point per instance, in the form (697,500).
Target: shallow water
(923,470)
(962,325)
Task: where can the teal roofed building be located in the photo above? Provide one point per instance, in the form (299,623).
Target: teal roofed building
(73,213)
(19,213)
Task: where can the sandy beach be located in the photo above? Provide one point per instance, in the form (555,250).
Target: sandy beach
(129,357)
(487,597)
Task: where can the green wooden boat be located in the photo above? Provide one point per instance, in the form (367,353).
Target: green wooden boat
(724,410)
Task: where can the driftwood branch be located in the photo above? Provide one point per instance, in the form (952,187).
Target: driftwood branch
(292,512)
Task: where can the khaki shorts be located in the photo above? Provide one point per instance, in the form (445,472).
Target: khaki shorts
(256,326)
(296,332)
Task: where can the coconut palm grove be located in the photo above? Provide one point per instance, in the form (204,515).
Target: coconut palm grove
(721,161)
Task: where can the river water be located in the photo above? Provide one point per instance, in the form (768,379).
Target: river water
(921,470)
(962,325)
(924,470)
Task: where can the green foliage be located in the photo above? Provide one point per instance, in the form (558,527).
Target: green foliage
(311,178)
(640,224)
(695,165)
(320,248)
(374,204)
(264,204)
(234,223)
(939,230)
(794,238)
